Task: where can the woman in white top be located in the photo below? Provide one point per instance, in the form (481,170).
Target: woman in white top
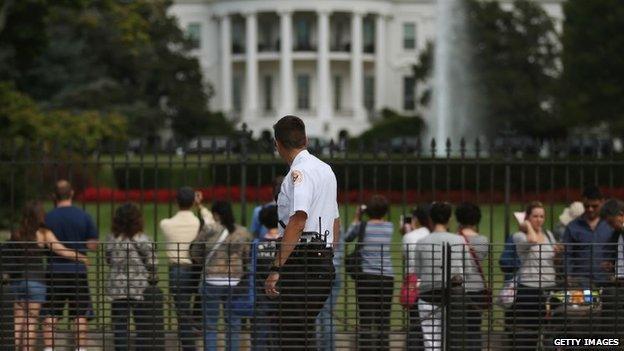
(538,252)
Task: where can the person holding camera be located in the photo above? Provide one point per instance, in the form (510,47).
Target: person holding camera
(180,230)
(375,279)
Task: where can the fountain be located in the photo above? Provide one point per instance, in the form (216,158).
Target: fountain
(455,113)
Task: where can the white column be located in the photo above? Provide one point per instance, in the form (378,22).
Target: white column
(323,69)
(286,64)
(380,62)
(226,63)
(251,60)
(357,88)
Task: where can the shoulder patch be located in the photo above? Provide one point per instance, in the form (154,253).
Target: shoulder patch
(297,176)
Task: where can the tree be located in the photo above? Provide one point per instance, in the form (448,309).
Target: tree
(515,55)
(128,58)
(593,46)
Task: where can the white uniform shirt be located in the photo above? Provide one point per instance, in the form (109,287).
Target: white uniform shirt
(310,186)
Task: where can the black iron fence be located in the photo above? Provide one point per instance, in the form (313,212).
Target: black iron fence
(147,300)
(502,177)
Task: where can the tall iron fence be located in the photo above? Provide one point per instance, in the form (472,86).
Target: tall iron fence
(371,306)
(500,176)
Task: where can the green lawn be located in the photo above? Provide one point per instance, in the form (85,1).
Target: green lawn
(492,226)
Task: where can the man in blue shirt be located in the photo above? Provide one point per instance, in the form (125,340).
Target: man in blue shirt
(257,229)
(67,280)
(590,251)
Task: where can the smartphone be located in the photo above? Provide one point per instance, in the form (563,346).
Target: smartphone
(407,220)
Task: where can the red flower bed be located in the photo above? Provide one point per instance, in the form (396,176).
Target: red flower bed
(264,194)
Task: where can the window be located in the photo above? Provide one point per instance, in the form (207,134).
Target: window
(369,93)
(337,93)
(237,94)
(268,93)
(409,36)
(193,33)
(303,92)
(303,35)
(369,36)
(238,37)
(409,93)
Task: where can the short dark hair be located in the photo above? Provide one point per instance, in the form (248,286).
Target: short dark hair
(592,192)
(377,206)
(268,216)
(611,207)
(421,213)
(185,197)
(468,213)
(440,212)
(290,132)
(127,221)
(226,216)
(63,190)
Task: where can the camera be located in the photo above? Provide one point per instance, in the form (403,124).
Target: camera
(363,209)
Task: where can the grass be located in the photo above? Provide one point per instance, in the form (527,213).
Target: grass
(493,226)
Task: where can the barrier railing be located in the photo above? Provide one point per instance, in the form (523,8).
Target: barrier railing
(133,293)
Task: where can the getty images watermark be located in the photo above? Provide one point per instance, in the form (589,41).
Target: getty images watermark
(581,343)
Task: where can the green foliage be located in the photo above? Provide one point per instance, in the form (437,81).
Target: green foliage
(392,125)
(516,73)
(591,88)
(118,58)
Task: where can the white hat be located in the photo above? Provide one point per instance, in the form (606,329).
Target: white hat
(571,212)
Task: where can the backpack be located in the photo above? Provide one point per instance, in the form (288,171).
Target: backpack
(509,260)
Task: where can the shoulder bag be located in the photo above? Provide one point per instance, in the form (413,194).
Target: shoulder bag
(353,261)
(484,301)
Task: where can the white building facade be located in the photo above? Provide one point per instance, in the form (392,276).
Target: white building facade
(335,63)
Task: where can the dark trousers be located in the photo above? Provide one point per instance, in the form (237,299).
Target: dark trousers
(183,282)
(374,299)
(263,323)
(465,318)
(528,314)
(304,285)
(414,333)
(121,310)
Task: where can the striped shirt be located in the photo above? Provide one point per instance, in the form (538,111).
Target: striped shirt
(376,256)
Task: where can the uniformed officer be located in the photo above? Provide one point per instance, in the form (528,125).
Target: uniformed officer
(303,271)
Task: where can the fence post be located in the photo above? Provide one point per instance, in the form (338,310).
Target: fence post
(243,164)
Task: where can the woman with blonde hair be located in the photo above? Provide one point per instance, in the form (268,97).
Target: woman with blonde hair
(538,251)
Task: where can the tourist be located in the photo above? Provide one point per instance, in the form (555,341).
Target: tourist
(468,217)
(257,229)
(132,268)
(420,224)
(23,259)
(180,230)
(374,285)
(429,263)
(589,244)
(68,282)
(224,267)
(612,212)
(538,251)
(263,323)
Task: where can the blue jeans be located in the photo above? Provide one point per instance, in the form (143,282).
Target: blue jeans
(183,284)
(28,290)
(325,326)
(263,336)
(215,296)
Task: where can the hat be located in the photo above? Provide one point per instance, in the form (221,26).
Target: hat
(571,212)
(185,196)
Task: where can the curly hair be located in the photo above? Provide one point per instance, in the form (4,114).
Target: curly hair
(127,221)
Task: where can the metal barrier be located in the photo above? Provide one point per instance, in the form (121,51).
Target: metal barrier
(171,309)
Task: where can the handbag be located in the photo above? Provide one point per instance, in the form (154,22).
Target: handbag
(484,302)
(507,295)
(409,291)
(353,261)
(244,299)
